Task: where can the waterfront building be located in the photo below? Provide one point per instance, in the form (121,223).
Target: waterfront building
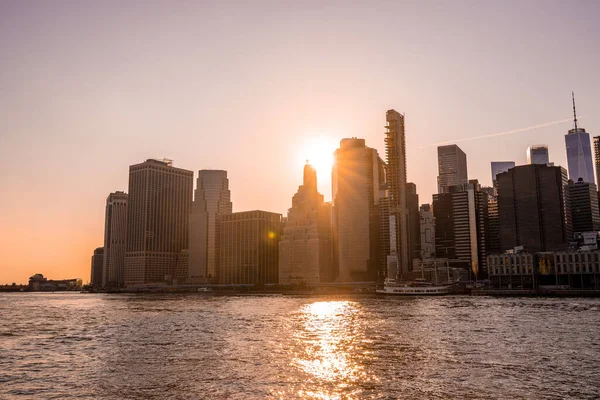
(414,222)
(579,152)
(158,210)
(583,200)
(305,248)
(461,218)
(545,270)
(115,240)
(39,283)
(97,267)
(533,208)
(249,247)
(385,237)
(538,154)
(212,199)
(357,176)
(452,167)
(427,230)
(395,150)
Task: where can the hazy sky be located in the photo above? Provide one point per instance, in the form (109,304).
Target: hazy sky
(89,88)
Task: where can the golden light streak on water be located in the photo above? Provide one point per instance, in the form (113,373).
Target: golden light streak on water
(330,339)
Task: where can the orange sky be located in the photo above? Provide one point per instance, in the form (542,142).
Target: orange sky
(88,89)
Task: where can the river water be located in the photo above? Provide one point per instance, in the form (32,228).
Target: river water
(101,346)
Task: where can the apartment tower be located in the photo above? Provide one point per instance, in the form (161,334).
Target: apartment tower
(395,150)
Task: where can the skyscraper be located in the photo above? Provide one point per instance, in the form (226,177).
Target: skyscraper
(538,154)
(427,228)
(583,199)
(212,199)
(249,247)
(533,208)
(414,222)
(356,178)
(461,224)
(158,210)
(97,268)
(115,240)
(579,152)
(305,252)
(395,149)
(452,167)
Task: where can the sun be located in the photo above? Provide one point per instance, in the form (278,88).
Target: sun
(318,152)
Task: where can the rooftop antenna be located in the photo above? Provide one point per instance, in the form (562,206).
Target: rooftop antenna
(574,112)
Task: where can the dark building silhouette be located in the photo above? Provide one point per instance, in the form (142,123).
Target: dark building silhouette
(493,232)
(533,208)
(249,247)
(414,222)
(158,211)
(583,198)
(97,267)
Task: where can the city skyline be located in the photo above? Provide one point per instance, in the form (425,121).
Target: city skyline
(147,113)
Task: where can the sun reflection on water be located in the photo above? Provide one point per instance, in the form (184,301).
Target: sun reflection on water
(330,341)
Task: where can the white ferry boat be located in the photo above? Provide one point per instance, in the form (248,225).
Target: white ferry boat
(418,287)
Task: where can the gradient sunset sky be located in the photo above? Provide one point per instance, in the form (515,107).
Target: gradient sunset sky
(89,88)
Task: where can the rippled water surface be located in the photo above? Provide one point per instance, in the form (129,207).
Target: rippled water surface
(192,346)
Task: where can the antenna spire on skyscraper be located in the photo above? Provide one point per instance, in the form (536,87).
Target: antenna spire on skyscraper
(574,112)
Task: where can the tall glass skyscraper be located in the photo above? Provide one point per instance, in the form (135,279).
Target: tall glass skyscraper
(579,153)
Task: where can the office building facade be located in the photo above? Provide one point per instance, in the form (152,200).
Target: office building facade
(158,210)
(414,222)
(249,247)
(597,158)
(115,240)
(305,248)
(212,199)
(583,199)
(533,208)
(452,167)
(97,268)
(427,230)
(461,218)
(357,176)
